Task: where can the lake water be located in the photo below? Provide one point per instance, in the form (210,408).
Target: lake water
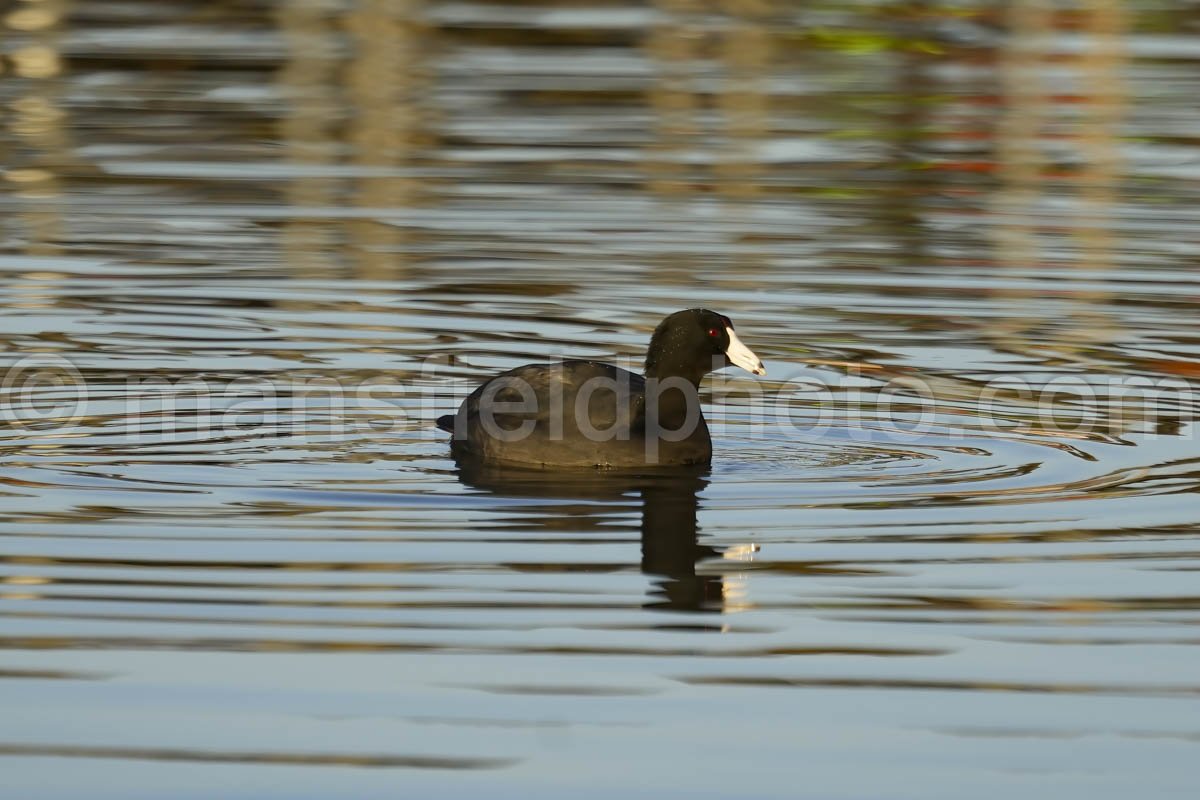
(948,547)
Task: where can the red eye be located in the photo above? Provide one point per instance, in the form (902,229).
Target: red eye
(714,333)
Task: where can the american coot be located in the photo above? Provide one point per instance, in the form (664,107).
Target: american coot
(590,414)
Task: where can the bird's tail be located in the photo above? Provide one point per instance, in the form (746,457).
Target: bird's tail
(446,423)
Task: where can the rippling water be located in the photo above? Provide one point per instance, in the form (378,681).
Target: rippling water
(947,547)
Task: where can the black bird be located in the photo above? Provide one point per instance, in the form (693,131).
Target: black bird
(591,414)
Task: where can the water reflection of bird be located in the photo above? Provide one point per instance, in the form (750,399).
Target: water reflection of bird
(669,530)
(588,414)
(671,547)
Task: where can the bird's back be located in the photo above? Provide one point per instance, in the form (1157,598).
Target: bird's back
(569,414)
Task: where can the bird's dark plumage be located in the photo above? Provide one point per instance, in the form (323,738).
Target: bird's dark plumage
(592,414)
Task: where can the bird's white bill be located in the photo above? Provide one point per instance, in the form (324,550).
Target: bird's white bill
(743,356)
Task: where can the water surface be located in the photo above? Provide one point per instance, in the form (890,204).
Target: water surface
(948,545)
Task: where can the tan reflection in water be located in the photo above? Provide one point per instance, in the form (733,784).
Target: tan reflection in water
(1030,107)
(1104,103)
(1019,159)
(745,51)
(384,80)
(358,110)
(673,47)
(36,121)
(710,106)
(678,48)
(308,131)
